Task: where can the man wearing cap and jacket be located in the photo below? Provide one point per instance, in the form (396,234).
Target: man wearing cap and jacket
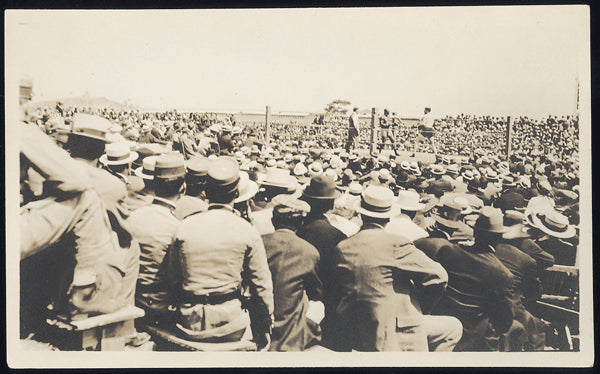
(213,254)
(296,285)
(154,227)
(385,291)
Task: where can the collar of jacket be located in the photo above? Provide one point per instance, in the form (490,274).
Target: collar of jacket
(164,202)
(371,226)
(311,218)
(213,206)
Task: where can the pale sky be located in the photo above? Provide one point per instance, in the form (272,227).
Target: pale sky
(480,60)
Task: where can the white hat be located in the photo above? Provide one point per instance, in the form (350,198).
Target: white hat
(118,154)
(146,171)
(409,200)
(378,202)
(300,169)
(247,188)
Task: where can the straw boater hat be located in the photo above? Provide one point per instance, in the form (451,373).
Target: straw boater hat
(550,222)
(275,177)
(437,170)
(355,188)
(118,154)
(147,170)
(452,169)
(315,168)
(468,175)
(414,168)
(378,202)
(409,200)
(169,167)
(300,169)
(247,188)
(89,126)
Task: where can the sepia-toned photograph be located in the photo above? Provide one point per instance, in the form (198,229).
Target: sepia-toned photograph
(406,186)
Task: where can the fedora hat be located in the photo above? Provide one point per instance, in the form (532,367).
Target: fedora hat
(490,220)
(510,200)
(448,214)
(247,188)
(169,167)
(118,154)
(146,171)
(409,200)
(552,223)
(378,202)
(322,187)
(89,126)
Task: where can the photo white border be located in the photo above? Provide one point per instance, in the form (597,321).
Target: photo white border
(39,359)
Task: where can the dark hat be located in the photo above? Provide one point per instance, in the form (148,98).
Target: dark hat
(222,177)
(420,182)
(169,167)
(510,200)
(321,187)
(490,220)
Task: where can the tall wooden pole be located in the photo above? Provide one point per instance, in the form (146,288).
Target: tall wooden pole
(373,122)
(268,126)
(508,138)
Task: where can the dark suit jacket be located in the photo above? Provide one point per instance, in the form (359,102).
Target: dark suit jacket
(478,292)
(527,288)
(431,246)
(324,237)
(293,264)
(531,248)
(527,285)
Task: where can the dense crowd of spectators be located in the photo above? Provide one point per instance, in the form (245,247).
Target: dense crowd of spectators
(460,135)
